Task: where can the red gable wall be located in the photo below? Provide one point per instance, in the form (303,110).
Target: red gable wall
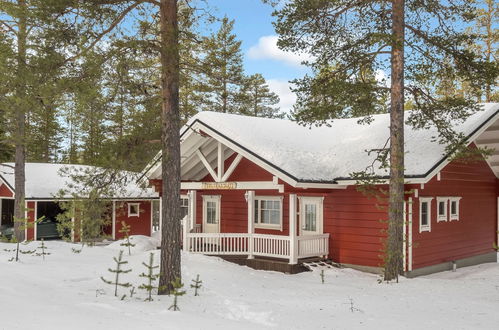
(475,232)
(5,191)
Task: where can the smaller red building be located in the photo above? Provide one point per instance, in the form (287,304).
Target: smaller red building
(274,189)
(133,205)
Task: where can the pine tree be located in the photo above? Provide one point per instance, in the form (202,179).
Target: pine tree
(196,285)
(117,272)
(176,291)
(257,99)
(409,39)
(42,247)
(223,65)
(125,229)
(151,277)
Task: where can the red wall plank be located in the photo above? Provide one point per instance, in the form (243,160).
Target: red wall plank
(474,233)
(140,225)
(5,191)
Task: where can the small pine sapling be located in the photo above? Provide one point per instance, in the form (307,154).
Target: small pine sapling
(43,247)
(150,276)
(118,271)
(176,292)
(125,229)
(196,284)
(322,276)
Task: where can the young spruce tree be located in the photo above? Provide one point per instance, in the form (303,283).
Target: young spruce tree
(117,272)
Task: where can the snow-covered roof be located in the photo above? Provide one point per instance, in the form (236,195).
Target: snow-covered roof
(331,152)
(45,181)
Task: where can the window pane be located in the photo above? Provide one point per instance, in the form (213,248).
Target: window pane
(268,212)
(310,217)
(453,207)
(441,208)
(211,212)
(424,213)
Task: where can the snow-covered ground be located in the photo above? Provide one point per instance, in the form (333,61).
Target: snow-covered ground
(65,292)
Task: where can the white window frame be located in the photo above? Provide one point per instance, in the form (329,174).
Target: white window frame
(257,222)
(130,214)
(423,228)
(445,216)
(456,215)
(320,212)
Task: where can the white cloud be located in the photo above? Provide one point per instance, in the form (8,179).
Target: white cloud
(282,89)
(267,49)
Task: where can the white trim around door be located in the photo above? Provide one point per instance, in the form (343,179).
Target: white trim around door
(211,213)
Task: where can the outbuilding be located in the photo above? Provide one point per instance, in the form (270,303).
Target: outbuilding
(48,184)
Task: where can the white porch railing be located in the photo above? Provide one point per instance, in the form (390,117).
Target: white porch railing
(276,246)
(313,245)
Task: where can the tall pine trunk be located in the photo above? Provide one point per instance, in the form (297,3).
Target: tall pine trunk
(20,149)
(170,146)
(394,253)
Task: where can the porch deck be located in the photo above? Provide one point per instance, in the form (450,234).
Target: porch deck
(251,245)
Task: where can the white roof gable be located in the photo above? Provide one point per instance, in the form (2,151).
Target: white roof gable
(45,181)
(333,151)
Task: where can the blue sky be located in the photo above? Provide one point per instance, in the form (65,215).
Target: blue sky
(253,26)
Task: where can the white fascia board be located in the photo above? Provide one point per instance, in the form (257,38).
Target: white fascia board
(247,155)
(471,139)
(318,185)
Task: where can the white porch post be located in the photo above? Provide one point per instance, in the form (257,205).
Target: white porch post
(293,242)
(250,197)
(192,208)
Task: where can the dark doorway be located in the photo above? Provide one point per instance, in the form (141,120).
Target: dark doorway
(7,215)
(47,228)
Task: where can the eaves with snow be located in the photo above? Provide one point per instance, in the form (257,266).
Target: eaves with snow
(47,181)
(324,154)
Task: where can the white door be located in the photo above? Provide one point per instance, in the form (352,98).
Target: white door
(311,215)
(211,214)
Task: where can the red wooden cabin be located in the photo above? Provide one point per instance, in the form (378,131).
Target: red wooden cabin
(135,206)
(271,188)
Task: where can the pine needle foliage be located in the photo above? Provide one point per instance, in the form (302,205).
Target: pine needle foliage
(125,230)
(196,285)
(176,292)
(117,272)
(151,277)
(42,247)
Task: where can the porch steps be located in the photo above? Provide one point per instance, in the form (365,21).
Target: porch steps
(321,264)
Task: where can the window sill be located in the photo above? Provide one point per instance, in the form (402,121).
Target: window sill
(423,229)
(442,219)
(264,226)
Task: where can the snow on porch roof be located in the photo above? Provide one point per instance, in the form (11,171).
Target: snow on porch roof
(44,181)
(332,152)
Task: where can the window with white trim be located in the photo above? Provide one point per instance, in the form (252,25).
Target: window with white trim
(442,207)
(184,206)
(425,214)
(454,208)
(268,212)
(133,209)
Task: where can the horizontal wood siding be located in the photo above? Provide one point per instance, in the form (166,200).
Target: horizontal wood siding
(5,191)
(31,214)
(140,225)
(475,232)
(356,225)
